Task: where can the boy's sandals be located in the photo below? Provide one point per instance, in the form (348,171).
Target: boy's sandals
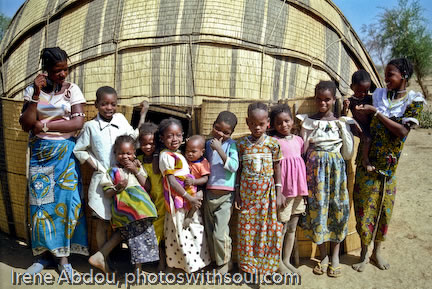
(320,269)
(334,271)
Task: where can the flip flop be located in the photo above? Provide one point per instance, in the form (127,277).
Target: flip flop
(68,270)
(334,271)
(39,265)
(320,269)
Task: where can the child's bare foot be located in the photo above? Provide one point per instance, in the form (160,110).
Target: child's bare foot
(379,261)
(291,267)
(364,260)
(98,260)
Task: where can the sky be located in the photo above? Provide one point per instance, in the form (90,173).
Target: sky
(358,12)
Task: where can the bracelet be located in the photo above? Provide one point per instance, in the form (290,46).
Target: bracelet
(278,185)
(76,114)
(184,194)
(237,185)
(140,173)
(34,100)
(376,113)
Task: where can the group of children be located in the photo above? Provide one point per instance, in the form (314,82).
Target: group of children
(176,208)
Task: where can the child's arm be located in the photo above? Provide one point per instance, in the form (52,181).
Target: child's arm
(280,199)
(194,202)
(83,146)
(345,108)
(237,198)
(196,182)
(231,162)
(143,113)
(114,190)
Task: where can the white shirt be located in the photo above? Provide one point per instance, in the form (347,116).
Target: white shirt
(95,142)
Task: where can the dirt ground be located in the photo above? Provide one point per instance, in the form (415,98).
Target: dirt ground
(408,249)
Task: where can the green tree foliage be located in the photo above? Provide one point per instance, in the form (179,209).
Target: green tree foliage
(402,31)
(4,23)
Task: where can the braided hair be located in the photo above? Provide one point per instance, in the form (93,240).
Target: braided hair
(278,109)
(256,106)
(51,56)
(121,140)
(404,66)
(360,76)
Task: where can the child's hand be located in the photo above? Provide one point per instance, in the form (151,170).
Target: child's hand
(237,201)
(195,202)
(189,182)
(281,201)
(346,104)
(132,166)
(121,185)
(216,144)
(366,109)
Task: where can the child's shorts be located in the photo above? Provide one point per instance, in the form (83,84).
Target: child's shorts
(295,206)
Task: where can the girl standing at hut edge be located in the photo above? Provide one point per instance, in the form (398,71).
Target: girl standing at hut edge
(53,112)
(259,232)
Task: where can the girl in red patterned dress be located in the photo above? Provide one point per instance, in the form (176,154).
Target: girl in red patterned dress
(259,232)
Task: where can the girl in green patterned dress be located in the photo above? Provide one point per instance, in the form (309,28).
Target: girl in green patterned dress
(394,111)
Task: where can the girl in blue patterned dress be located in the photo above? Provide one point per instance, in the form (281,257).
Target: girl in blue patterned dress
(327,142)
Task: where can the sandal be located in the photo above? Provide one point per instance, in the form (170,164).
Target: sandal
(334,271)
(39,265)
(67,268)
(320,269)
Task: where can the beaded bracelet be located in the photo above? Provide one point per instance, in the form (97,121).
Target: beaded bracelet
(278,185)
(76,114)
(34,100)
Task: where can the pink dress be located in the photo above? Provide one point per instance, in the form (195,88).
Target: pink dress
(293,169)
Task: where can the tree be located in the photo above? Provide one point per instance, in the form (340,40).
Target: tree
(4,23)
(402,32)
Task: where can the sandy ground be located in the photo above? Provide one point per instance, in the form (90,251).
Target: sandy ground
(408,249)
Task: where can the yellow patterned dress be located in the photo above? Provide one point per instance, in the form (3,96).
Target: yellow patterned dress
(157,195)
(259,232)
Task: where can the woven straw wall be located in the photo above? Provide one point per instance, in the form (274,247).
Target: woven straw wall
(196,56)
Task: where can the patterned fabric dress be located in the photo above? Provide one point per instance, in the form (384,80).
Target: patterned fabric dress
(259,232)
(186,248)
(157,195)
(367,189)
(132,214)
(327,144)
(56,211)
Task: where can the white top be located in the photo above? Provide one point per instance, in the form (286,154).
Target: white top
(325,135)
(95,142)
(167,162)
(55,107)
(397,107)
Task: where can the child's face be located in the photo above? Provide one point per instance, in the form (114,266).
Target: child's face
(324,100)
(147,144)
(125,153)
(257,122)
(107,106)
(393,78)
(172,137)
(283,123)
(221,130)
(361,89)
(194,150)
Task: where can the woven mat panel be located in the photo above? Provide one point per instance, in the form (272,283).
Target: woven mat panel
(3,218)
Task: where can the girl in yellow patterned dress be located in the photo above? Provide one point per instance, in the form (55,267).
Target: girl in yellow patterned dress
(149,158)
(259,232)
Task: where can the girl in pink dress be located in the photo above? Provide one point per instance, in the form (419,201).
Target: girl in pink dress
(293,181)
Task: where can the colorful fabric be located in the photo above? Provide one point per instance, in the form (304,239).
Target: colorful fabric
(293,169)
(57,216)
(173,163)
(56,107)
(186,247)
(157,196)
(259,232)
(222,175)
(367,201)
(142,242)
(95,143)
(328,201)
(199,168)
(367,189)
(131,204)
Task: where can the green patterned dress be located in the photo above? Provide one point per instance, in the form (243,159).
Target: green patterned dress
(367,188)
